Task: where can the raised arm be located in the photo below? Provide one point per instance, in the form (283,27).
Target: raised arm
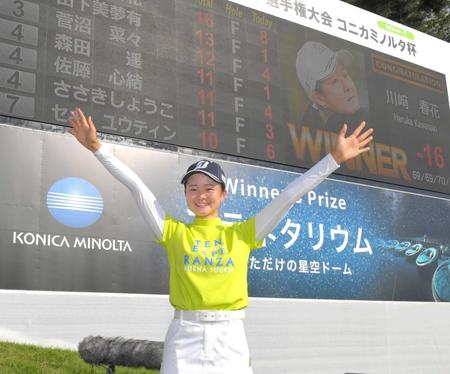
(85,132)
(345,149)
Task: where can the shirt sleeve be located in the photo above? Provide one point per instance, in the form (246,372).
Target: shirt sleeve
(148,205)
(247,230)
(267,219)
(170,226)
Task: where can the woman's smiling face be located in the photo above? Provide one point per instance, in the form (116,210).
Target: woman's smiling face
(204,196)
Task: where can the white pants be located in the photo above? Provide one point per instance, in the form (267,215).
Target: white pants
(206,348)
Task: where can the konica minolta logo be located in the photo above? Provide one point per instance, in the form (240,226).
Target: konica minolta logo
(74,202)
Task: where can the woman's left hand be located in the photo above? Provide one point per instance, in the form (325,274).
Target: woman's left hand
(352,146)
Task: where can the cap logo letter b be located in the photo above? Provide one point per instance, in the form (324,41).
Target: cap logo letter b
(202,165)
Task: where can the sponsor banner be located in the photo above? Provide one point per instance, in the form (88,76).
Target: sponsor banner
(67,224)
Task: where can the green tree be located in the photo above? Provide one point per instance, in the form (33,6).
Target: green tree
(429,16)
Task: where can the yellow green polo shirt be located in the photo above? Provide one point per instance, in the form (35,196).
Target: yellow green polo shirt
(208,262)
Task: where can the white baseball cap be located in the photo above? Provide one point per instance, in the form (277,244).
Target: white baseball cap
(316,62)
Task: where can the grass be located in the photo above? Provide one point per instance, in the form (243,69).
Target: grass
(30,359)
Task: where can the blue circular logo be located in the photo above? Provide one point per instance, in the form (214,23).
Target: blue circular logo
(74,202)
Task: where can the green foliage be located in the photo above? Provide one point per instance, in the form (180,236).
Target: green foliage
(29,359)
(429,16)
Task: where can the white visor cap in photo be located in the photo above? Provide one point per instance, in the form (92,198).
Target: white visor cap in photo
(316,62)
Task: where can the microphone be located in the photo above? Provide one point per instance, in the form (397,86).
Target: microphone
(97,350)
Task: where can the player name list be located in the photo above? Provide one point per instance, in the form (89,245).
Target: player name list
(193,73)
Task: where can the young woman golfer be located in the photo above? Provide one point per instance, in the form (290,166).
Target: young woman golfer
(207,333)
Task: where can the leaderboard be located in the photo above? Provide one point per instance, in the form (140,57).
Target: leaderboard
(216,76)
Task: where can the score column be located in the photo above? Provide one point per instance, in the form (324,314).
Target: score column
(196,41)
(18,60)
(267,137)
(269,132)
(205,58)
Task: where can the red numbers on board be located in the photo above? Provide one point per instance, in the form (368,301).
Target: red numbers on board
(205,59)
(433,156)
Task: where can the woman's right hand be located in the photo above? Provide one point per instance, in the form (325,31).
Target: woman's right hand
(84,130)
